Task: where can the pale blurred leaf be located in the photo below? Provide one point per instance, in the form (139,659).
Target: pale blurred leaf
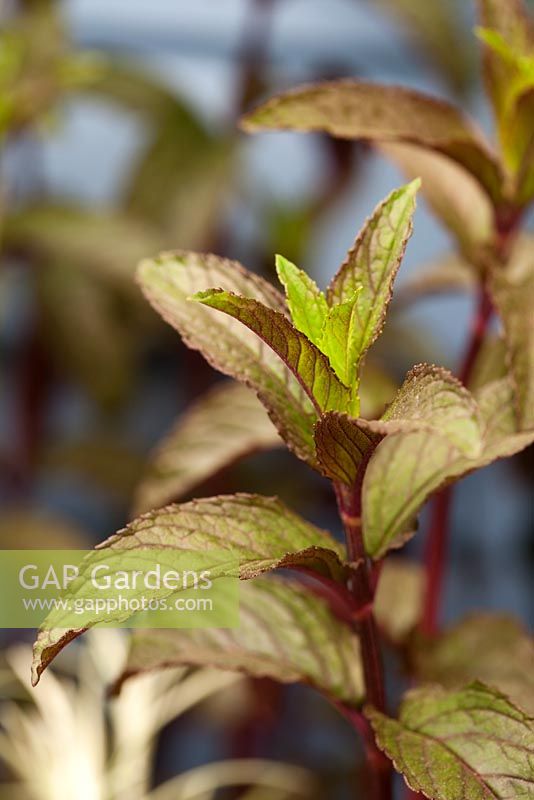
(453,195)
(284,781)
(87,332)
(514,300)
(493,648)
(34,529)
(221,427)
(106,244)
(286,633)
(399,599)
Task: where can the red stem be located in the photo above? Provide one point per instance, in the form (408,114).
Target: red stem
(360,586)
(379,764)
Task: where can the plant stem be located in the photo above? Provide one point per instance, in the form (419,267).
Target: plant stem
(361,588)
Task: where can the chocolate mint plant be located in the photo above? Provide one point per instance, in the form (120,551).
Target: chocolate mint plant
(466,729)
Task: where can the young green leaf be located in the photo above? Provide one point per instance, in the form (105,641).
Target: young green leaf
(224,425)
(286,633)
(366,278)
(259,533)
(493,648)
(169,281)
(508,37)
(351,109)
(407,467)
(307,304)
(307,363)
(341,341)
(470,744)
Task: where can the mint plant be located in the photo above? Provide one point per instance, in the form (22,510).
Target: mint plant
(467,731)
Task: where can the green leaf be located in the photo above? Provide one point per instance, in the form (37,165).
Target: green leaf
(307,304)
(366,278)
(221,427)
(490,364)
(399,598)
(168,283)
(471,744)
(341,341)
(302,358)
(344,445)
(515,302)
(345,324)
(286,633)
(351,109)
(259,533)
(508,38)
(407,467)
(432,396)
(454,196)
(493,648)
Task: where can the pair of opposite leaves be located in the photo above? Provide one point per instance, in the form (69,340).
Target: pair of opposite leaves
(434,430)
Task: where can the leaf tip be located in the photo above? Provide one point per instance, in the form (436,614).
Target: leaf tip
(413,187)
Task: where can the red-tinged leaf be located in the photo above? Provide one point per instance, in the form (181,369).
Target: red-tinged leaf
(469,744)
(286,633)
(259,534)
(168,283)
(407,467)
(301,357)
(351,109)
(344,445)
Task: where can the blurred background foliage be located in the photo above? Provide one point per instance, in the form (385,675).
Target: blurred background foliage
(119,139)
